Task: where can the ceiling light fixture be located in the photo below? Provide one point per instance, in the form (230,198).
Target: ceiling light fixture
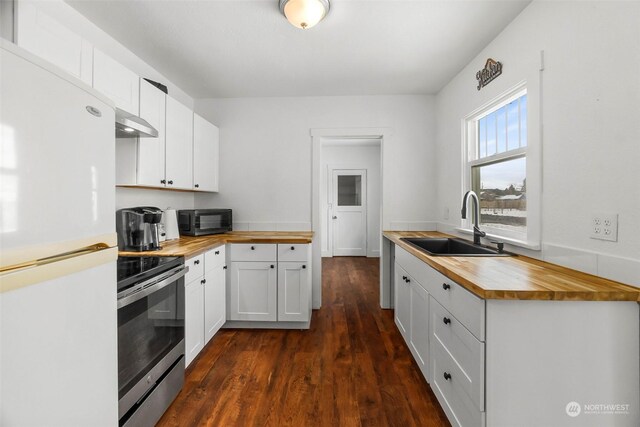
(304,13)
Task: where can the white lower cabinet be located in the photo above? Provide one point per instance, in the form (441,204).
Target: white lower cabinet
(253,289)
(194,319)
(270,283)
(205,300)
(503,363)
(294,291)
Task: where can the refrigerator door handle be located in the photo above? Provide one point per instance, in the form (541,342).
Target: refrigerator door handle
(55,258)
(25,274)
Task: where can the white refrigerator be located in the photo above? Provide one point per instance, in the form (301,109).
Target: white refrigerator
(58,249)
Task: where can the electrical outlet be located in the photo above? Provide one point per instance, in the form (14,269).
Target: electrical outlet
(604,226)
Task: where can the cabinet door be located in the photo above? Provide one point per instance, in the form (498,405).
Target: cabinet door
(179,145)
(151,150)
(194,319)
(117,82)
(45,37)
(402,301)
(206,146)
(253,291)
(419,328)
(293,291)
(214,301)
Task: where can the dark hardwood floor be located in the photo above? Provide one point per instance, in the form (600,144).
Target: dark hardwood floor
(351,368)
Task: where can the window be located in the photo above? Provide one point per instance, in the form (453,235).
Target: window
(497,165)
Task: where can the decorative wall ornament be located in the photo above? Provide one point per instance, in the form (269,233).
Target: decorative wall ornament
(491,70)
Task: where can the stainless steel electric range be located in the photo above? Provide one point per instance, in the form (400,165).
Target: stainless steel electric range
(150,337)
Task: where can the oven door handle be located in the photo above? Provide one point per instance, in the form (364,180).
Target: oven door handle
(122,302)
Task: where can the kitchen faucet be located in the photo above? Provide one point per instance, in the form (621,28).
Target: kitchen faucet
(477,234)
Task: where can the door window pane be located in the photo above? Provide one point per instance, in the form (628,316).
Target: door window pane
(349,190)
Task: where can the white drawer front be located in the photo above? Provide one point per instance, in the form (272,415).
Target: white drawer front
(291,252)
(465,349)
(253,252)
(214,258)
(466,307)
(459,408)
(196,268)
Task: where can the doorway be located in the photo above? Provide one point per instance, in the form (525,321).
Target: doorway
(347,207)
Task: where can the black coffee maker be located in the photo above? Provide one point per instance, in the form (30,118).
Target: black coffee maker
(138,229)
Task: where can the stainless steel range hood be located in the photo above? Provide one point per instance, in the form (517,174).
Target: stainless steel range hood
(130,126)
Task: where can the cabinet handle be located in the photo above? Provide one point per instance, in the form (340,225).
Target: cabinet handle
(446,286)
(224,267)
(196,262)
(446,320)
(217,252)
(404,278)
(197,186)
(272,266)
(163,181)
(408,280)
(447,376)
(203,281)
(293,248)
(253,248)
(304,266)
(170,182)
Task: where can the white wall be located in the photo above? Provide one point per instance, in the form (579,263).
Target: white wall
(265,152)
(342,155)
(590,103)
(77,23)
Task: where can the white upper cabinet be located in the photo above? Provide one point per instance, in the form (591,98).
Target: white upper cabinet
(179,146)
(47,38)
(150,167)
(206,146)
(116,82)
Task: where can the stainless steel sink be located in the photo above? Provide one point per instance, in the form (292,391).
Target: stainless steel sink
(451,247)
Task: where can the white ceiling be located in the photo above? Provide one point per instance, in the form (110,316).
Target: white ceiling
(246,48)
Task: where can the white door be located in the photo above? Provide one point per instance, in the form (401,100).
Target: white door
(116,82)
(151,150)
(253,291)
(206,146)
(419,328)
(194,319)
(179,145)
(349,212)
(402,311)
(215,291)
(294,291)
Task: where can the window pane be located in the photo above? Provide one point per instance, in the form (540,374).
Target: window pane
(502,129)
(349,190)
(502,191)
(482,138)
(491,134)
(513,125)
(523,121)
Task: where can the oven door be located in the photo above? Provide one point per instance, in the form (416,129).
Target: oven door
(150,336)
(210,223)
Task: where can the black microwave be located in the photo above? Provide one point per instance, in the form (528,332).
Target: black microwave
(200,222)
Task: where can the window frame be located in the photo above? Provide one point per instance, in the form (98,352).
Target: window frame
(470,147)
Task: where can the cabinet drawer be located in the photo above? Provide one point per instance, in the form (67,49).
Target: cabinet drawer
(455,402)
(466,307)
(293,252)
(463,347)
(214,258)
(253,252)
(196,268)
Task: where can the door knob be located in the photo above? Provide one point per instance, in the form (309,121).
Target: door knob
(335,217)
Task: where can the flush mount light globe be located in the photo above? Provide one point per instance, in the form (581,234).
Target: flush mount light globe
(304,13)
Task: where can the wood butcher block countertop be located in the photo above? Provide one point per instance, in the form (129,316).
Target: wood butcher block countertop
(188,246)
(518,277)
